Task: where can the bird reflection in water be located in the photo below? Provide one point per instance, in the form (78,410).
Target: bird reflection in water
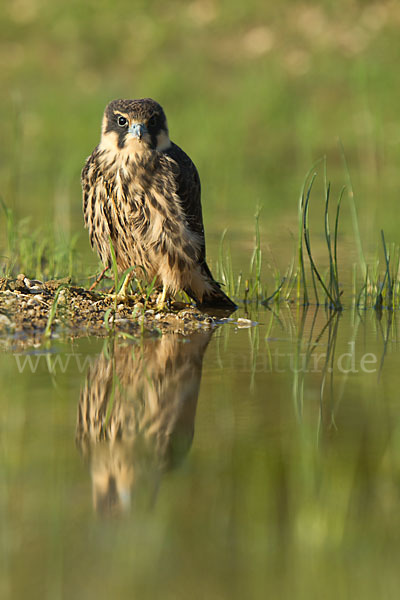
(136,415)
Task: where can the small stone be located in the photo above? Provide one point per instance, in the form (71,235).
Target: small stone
(184,313)
(16,286)
(121,321)
(243,323)
(4,321)
(32,302)
(21,277)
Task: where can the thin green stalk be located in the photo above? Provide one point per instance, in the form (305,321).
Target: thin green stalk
(276,292)
(221,270)
(353,211)
(335,303)
(387,272)
(328,236)
(306,234)
(256,259)
(53,311)
(336,237)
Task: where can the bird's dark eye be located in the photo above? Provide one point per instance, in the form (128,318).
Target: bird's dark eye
(122,121)
(153,121)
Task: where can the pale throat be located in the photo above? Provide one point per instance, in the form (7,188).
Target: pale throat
(163,141)
(109,144)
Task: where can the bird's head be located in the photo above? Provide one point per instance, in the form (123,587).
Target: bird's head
(134,126)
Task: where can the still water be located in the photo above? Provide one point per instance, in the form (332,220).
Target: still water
(246,462)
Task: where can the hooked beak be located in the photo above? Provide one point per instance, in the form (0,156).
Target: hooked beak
(137,130)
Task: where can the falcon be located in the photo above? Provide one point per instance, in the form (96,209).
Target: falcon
(141,194)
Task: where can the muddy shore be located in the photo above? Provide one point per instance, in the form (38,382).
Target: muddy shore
(32,311)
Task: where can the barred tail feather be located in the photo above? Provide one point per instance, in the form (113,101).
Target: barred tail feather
(214,297)
(217,299)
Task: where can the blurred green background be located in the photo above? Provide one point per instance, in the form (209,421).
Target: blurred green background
(254,91)
(268,499)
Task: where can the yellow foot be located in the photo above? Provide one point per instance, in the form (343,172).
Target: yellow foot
(122,298)
(161,307)
(123,295)
(162,302)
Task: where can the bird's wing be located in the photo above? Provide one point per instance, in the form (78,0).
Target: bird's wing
(95,210)
(89,177)
(189,192)
(85,188)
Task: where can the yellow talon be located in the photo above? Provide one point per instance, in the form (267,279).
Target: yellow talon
(123,292)
(161,304)
(123,295)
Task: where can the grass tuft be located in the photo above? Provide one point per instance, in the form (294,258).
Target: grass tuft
(41,255)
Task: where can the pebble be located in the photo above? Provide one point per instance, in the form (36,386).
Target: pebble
(243,323)
(33,285)
(121,321)
(186,313)
(32,302)
(5,321)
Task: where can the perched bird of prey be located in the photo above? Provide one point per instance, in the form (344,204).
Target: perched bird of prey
(142,192)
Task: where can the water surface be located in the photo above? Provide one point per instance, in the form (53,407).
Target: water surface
(232,463)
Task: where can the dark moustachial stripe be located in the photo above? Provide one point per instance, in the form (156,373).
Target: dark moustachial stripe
(112,125)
